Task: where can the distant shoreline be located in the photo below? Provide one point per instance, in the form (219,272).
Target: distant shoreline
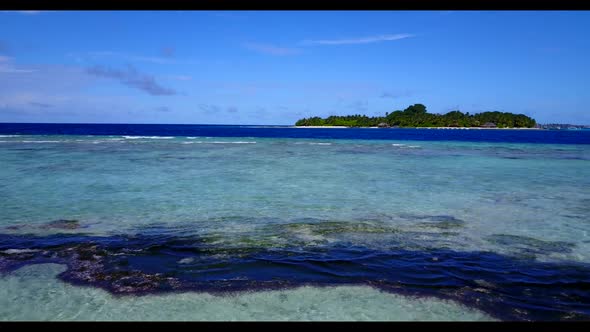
(450,128)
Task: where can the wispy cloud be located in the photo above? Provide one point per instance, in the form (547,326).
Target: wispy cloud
(131,57)
(164,109)
(132,78)
(37,104)
(58,93)
(271,49)
(166,58)
(30,100)
(362,40)
(179,77)
(7,66)
(209,108)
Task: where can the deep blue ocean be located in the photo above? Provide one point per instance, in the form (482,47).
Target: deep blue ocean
(514,136)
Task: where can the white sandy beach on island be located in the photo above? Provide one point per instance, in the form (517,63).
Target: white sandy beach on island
(480,128)
(330,127)
(320,127)
(463,128)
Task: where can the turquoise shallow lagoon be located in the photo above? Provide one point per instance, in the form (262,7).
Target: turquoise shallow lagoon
(245,199)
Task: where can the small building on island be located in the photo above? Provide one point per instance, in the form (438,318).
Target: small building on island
(489,125)
(383,125)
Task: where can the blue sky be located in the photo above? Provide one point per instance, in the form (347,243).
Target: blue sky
(273,67)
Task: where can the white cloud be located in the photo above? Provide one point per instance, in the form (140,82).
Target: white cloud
(363,40)
(40,86)
(128,57)
(179,77)
(271,49)
(7,66)
(29,99)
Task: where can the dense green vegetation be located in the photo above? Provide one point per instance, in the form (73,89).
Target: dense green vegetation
(416,116)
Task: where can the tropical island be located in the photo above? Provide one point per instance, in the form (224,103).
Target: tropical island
(415,116)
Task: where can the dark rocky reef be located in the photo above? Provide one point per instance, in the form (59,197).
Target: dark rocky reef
(505,287)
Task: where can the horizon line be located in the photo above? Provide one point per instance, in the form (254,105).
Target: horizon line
(220,124)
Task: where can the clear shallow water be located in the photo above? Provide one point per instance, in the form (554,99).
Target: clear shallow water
(33,293)
(491,222)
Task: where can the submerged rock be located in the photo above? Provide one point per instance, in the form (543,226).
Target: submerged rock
(436,221)
(338,227)
(63,224)
(531,245)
